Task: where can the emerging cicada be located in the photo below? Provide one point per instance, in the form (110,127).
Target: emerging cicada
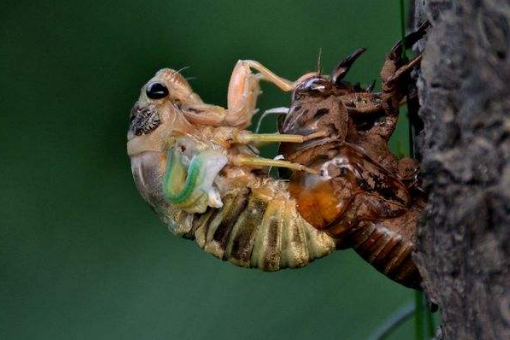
(199,169)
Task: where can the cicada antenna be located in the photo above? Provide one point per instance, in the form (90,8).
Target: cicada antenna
(184,68)
(319,62)
(179,71)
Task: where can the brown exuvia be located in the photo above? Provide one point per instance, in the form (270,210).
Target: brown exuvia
(362,195)
(201,172)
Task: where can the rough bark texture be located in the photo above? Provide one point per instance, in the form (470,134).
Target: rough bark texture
(463,249)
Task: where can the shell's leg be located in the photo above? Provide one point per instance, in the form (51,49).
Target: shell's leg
(395,75)
(362,103)
(192,189)
(204,114)
(341,70)
(243,90)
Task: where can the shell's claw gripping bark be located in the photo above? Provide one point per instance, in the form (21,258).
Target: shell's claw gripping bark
(341,70)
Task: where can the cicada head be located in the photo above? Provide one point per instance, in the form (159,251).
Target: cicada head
(154,123)
(155,117)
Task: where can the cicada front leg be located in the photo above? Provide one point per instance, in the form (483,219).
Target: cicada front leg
(243,91)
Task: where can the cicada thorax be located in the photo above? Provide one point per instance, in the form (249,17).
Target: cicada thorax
(356,198)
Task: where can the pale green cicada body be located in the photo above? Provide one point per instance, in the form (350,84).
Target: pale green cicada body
(200,171)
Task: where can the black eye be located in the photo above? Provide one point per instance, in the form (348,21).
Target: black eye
(315,87)
(156,91)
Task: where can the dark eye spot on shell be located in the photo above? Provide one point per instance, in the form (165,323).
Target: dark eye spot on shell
(313,87)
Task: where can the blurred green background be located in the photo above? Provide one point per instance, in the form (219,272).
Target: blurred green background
(81,255)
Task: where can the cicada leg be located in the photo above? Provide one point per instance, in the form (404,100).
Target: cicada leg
(257,162)
(243,90)
(394,74)
(345,65)
(245,137)
(192,189)
(204,114)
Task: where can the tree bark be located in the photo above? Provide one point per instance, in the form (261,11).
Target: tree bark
(463,247)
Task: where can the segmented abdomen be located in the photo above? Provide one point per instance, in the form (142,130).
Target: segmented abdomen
(258,226)
(259,231)
(389,252)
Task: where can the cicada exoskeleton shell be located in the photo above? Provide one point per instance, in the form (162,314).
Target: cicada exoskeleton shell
(362,195)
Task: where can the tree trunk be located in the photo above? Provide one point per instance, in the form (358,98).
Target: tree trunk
(463,248)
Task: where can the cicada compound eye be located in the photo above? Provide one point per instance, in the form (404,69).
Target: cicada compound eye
(314,86)
(156,90)
(317,85)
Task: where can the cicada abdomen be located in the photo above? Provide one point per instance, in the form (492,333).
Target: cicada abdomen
(257,226)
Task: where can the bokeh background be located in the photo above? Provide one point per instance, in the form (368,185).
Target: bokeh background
(81,255)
